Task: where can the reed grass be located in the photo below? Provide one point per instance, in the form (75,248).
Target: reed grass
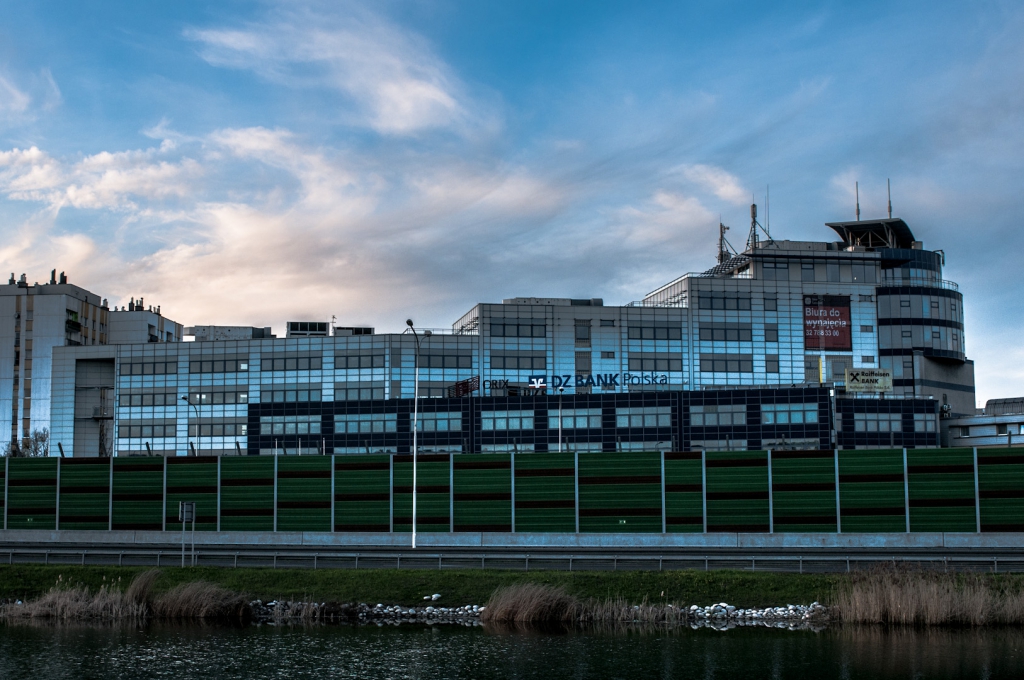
(898,596)
(534,603)
(201,600)
(64,602)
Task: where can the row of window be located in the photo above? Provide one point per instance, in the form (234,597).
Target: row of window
(575,419)
(225,397)
(292,364)
(518,330)
(785,414)
(439,422)
(149,368)
(656,364)
(289,396)
(358,393)
(654,333)
(354,423)
(506,420)
(649,416)
(737,301)
(727,363)
(218,430)
(715,415)
(148,399)
(518,363)
(125,431)
(290,425)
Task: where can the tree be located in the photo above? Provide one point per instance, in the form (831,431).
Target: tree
(35,445)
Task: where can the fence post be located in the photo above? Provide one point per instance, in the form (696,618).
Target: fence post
(664,522)
(275,503)
(163,502)
(333,473)
(839,517)
(512,472)
(704,494)
(110,500)
(451,496)
(771,498)
(906,489)
(977,495)
(7,477)
(56,519)
(218,492)
(576,486)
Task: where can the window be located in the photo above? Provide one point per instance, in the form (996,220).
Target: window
(290,424)
(575,419)
(925,422)
(935,304)
(348,361)
(135,429)
(149,368)
(649,416)
(520,329)
(714,415)
(607,355)
(518,362)
(775,271)
(292,363)
(506,420)
(729,332)
(771,332)
(358,393)
(654,333)
(936,335)
(218,365)
(789,414)
(726,363)
(906,334)
(771,303)
(222,429)
(228,397)
(905,304)
(771,363)
(867,359)
(738,301)
(606,323)
(147,399)
(807,272)
(867,298)
(290,395)
(450,421)
(877,422)
(654,363)
(867,329)
(446,361)
(356,423)
(965,431)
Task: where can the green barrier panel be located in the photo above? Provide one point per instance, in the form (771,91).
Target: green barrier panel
(32,493)
(247,493)
(362,493)
(684,492)
(871,492)
(433,512)
(84,494)
(192,479)
(804,491)
(483,492)
(3,485)
(1001,489)
(138,494)
(737,493)
(545,492)
(303,493)
(941,485)
(620,492)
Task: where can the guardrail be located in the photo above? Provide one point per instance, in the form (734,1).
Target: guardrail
(798,563)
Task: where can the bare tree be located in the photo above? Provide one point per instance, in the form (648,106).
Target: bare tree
(35,445)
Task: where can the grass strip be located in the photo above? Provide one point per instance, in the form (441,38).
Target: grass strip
(457,586)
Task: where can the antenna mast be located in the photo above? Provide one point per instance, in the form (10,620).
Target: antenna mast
(888,190)
(856,188)
(725,250)
(752,239)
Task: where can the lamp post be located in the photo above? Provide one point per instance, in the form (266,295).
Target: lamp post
(415,418)
(560,390)
(196,409)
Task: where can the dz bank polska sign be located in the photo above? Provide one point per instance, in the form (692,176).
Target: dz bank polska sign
(602,380)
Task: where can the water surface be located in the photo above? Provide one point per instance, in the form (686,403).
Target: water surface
(161,651)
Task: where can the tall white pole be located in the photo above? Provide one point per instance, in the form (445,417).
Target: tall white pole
(559,419)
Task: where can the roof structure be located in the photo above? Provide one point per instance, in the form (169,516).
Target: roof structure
(889,233)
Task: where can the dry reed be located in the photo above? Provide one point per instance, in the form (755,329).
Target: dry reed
(63,603)
(910,597)
(201,600)
(530,603)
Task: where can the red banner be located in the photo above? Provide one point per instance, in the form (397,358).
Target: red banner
(827,323)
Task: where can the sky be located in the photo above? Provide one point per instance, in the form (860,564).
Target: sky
(256,162)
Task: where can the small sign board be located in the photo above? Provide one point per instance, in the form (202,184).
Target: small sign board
(186,511)
(868,380)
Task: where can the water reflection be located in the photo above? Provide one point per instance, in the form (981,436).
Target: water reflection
(187,651)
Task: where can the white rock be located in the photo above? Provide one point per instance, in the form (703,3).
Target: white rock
(435,596)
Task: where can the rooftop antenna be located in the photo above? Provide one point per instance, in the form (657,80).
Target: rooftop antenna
(725,249)
(856,188)
(767,208)
(752,239)
(888,190)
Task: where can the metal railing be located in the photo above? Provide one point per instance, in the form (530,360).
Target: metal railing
(797,563)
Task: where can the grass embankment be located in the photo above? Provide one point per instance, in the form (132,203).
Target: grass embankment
(457,587)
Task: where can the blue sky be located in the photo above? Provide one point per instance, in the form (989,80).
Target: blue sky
(254,162)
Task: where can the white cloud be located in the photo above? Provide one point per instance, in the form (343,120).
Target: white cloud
(398,84)
(12,99)
(721,183)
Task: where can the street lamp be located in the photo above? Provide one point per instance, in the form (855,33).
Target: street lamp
(196,409)
(415,417)
(560,390)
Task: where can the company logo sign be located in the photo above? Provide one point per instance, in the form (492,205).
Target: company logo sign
(868,380)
